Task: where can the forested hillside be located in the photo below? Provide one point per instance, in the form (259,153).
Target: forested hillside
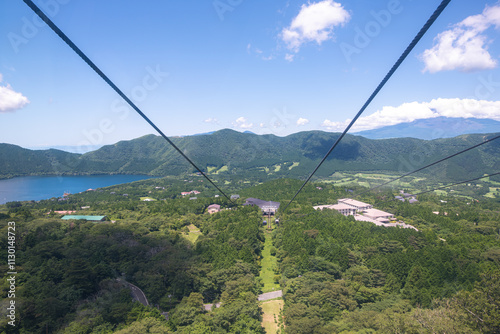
(338,275)
(263,157)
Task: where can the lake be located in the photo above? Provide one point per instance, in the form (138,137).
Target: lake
(44,187)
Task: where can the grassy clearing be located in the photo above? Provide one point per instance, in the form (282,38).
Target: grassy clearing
(373,176)
(271,311)
(492,192)
(364,184)
(277,168)
(210,169)
(147,199)
(222,169)
(268,263)
(193,234)
(440,192)
(295,164)
(265,169)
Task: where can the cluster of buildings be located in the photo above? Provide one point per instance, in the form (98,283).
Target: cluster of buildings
(268,208)
(194,192)
(406,197)
(364,212)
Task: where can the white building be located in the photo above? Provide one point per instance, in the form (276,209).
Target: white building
(379,215)
(346,210)
(359,206)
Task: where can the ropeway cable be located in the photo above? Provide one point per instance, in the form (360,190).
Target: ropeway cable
(89,62)
(410,47)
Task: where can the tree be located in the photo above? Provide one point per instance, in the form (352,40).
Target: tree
(146,325)
(416,287)
(186,312)
(482,304)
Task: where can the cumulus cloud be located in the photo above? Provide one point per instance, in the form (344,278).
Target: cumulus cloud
(465,46)
(11,100)
(314,23)
(302,121)
(409,112)
(289,57)
(242,123)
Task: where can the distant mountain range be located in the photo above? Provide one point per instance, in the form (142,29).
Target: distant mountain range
(231,153)
(434,128)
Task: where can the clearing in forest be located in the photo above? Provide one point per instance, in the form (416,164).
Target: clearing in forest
(267,265)
(295,164)
(270,318)
(193,233)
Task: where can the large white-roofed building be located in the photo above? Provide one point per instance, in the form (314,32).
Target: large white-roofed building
(379,215)
(358,205)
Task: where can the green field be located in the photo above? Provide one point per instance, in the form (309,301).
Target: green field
(222,169)
(295,164)
(268,264)
(492,192)
(440,192)
(370,180)
(193,234)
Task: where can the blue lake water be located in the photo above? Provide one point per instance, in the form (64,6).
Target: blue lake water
(44,187)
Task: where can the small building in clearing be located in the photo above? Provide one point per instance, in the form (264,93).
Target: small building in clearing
(213,208)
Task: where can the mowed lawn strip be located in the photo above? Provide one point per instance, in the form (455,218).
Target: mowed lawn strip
(268,264)
(270,318)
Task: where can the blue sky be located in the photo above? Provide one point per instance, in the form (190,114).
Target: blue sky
(275,67)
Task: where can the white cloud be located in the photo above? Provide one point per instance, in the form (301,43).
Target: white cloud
(408,112)
(289,57)
(11,100)
(211,120)
(302,121)
(334,126)
(242,123)
(465,46)
(315,22)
